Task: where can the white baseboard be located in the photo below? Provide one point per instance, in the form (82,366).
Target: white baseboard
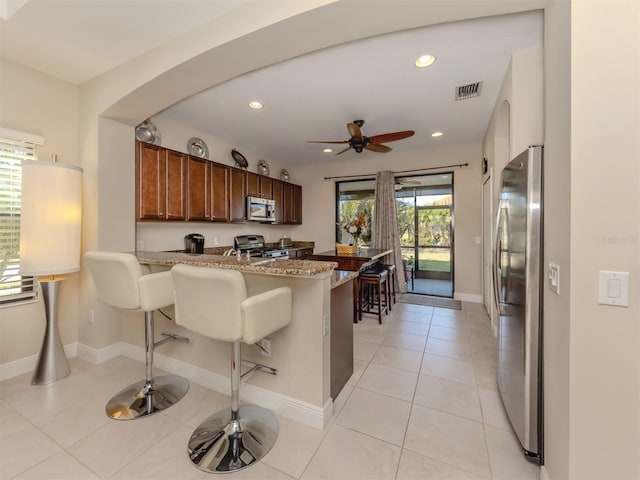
(304,412)
(543,473)
(28,364)
(468,297)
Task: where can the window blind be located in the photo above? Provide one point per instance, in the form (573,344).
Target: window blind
(13,286)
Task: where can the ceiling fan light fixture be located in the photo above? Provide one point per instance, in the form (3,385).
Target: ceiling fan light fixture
(437,134)
(256,105)
(327,150)
(425,61)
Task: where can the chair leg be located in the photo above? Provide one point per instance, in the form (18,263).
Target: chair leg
(234,438)
(152,395)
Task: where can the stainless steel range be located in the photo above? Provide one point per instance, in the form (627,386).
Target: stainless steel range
(254,244)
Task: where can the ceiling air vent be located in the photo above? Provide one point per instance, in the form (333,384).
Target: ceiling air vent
(468,91)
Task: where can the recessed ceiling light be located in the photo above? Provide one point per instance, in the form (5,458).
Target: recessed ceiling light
(425,60)
(437,134)
(255,105)
(327,150)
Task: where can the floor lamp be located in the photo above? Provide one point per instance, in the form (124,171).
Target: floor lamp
(51,211)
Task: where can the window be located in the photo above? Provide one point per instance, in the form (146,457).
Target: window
(13,151)
(353,198)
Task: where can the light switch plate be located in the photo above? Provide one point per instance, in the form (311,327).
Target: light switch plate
(613,289)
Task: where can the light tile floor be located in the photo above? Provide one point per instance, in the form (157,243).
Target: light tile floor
(422,404)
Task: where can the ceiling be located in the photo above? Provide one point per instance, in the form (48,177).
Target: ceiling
(311,97)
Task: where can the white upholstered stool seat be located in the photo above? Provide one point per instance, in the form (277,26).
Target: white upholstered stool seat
(214,303)
(120,283)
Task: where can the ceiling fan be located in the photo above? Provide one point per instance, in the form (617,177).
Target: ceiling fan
(375,143)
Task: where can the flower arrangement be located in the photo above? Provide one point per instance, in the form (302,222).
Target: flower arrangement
(357,227)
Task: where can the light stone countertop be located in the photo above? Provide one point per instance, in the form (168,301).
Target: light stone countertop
(301,268)
(342,276)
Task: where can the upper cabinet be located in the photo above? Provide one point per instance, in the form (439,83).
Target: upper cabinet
(161,183)
(220,193)
(292,204)
(199,191)
(259,186)
(175,186)
(238,195)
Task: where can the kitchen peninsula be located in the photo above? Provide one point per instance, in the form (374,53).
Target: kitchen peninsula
(301,352)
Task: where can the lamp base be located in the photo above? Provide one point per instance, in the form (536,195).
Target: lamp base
(52,363)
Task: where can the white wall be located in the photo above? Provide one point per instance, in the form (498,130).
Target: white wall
(557,245)
(605,235)
(36,103)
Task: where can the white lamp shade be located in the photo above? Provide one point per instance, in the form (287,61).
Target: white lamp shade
(50,218)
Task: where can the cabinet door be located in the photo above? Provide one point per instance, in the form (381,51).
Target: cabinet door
(292,204)
(175,185)
(253,184)
(220,193)
(278,197)
(287,203)
(199,191)
(296,208)
(266,187)
(237,195)
(150,182)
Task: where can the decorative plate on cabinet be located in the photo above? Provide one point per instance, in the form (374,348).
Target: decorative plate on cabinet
(197,148)
(147,132)
(241,162)
(263,168)
(284,175)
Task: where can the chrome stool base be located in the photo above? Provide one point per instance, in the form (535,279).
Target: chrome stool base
(222,444)
(142,399)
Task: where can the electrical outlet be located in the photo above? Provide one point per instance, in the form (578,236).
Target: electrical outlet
(140,245)
(92,317)
(266,344)
(216,240)
(325,325)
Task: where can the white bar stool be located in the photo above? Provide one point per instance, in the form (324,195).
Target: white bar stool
(120,283)
(214,303)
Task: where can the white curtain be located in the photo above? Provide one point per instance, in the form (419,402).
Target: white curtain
(385,225)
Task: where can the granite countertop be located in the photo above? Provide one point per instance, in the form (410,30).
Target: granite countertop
(302,268)
(341,277)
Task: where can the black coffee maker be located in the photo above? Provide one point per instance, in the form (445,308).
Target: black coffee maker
(194,243)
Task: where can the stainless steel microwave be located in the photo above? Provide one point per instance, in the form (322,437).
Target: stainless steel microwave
(261,209)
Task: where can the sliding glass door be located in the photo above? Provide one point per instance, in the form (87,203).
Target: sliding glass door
(425,224)
(425,221)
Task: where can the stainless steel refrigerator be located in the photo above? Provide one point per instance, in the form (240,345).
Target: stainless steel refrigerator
(518,273)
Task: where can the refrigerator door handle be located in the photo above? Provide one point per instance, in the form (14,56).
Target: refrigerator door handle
(497,258)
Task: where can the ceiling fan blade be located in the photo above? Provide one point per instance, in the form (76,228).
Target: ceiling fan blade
(319,141)
(376,147)
(391,137)
(342,151)
(354,130)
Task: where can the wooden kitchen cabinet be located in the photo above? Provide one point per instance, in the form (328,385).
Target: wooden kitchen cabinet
(259,186)
(292,204)
(342,317)
(220,189)
(199,189)
(238,195)
(278,187)
(161,182)
(300,253)
(171,185)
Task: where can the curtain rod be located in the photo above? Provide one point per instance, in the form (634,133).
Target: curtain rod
(460,165)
